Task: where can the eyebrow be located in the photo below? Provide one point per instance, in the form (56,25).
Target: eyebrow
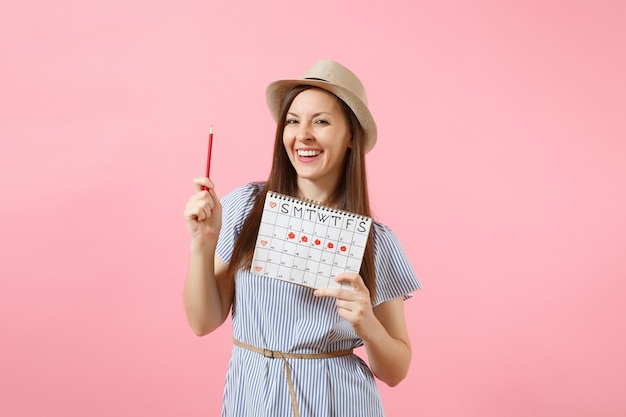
(314,114)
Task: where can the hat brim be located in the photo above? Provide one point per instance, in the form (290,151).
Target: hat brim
(277,90)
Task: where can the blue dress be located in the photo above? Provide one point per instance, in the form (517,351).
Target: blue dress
(280,316)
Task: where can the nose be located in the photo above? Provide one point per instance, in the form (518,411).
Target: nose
(303,133)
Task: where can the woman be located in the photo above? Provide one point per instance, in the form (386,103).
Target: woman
(292,353)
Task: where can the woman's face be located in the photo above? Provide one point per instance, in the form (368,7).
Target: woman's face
(316,137)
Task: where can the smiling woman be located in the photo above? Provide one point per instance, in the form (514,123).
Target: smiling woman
(324,129)
(316,137)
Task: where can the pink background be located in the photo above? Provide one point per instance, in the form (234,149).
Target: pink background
(501,164)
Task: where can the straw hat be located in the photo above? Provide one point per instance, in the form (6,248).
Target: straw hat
(339,80)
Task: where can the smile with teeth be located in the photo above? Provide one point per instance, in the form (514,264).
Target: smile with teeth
(309,152)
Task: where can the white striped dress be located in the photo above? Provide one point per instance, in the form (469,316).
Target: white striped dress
(277,315)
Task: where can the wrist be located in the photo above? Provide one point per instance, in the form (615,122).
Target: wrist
(202,247)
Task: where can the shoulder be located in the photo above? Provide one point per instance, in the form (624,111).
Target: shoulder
(243,193)
(237,203)
(383,235)
(394,273)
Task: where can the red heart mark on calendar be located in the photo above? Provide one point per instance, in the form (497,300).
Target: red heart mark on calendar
(304,239)
(291,235)
(258,268)
(272,204)
(264,242)
(330,245)
(318,242)
(343,249)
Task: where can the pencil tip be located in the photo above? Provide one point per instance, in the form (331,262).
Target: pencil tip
(211,131)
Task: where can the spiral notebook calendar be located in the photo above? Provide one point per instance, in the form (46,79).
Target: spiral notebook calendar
(307,243)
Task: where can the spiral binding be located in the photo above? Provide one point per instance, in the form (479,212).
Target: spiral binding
(317,205)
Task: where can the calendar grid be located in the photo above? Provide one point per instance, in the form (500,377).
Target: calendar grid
(307,243)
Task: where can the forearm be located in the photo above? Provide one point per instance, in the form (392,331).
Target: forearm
(389,358)
(202,298)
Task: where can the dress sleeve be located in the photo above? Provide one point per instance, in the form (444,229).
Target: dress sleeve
(394,275)
(235,208)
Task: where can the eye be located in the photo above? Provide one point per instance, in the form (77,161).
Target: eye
(321,121)
(291,121)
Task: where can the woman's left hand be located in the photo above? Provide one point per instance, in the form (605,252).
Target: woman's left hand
(354,306)
(383,333)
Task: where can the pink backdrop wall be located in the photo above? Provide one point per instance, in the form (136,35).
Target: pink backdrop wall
(501,164)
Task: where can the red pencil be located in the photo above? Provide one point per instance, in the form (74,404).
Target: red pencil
(208,157)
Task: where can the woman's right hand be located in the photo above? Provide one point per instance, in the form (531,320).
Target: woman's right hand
(203,213)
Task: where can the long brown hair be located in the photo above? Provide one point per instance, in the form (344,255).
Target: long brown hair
(350,195)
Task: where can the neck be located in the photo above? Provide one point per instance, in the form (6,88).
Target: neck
(310,191)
